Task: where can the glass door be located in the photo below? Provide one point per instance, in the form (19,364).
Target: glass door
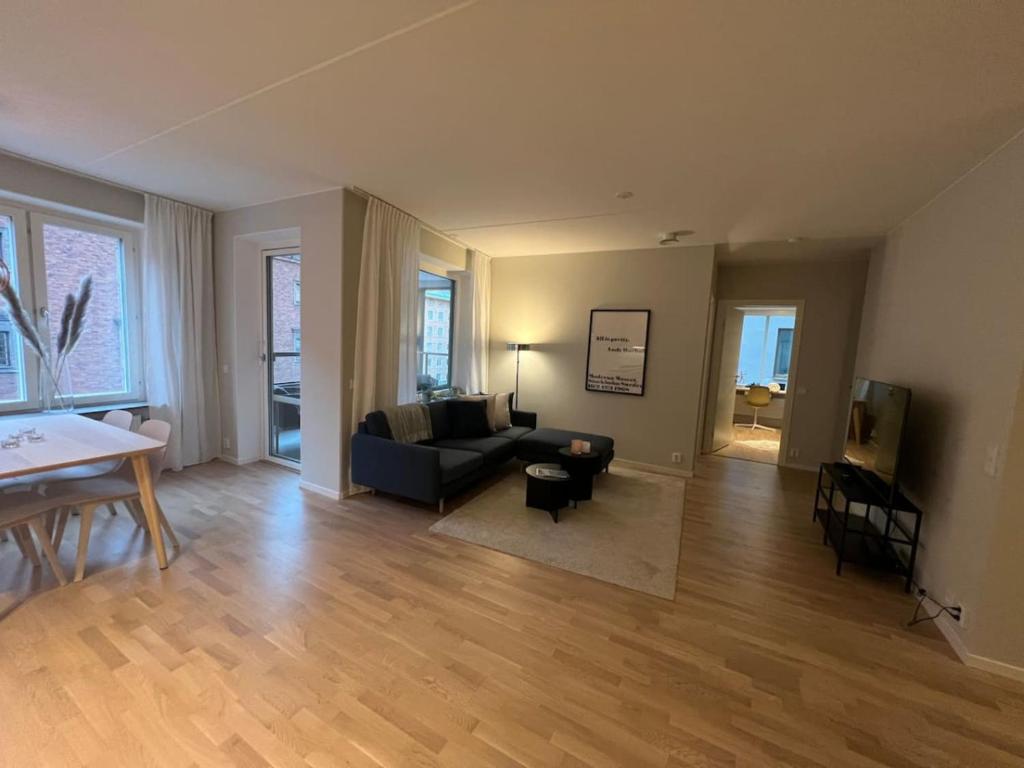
(284,353)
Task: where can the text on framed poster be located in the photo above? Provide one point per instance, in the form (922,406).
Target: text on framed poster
(617,350)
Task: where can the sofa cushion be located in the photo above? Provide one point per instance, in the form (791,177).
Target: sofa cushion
(439,422)
(513,433)
(468,418)
(377,425)
(502,411)
(493,449)
(456,464)
(488,400)
(544,443)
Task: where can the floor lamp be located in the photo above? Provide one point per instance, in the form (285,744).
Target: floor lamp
(516,347)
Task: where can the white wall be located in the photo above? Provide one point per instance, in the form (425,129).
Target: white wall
(237,240)
(832,290)
(546,300)
(330,227)
(944,315)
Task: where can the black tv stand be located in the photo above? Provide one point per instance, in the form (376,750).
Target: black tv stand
(868,539)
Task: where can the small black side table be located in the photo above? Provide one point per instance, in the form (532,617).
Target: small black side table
(582,467)
(547,493)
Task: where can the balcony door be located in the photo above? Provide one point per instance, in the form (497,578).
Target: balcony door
(283,355)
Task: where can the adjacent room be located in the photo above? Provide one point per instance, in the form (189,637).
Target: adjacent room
(449,383)
(756,350)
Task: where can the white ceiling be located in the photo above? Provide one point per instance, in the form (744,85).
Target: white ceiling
(513,123)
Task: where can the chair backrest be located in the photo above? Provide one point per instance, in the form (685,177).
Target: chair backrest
(758,396)
(119,419)
(160,431)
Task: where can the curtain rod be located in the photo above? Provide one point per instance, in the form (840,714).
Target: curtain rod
(444,235)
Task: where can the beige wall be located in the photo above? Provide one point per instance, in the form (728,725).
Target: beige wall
(53,185)
(546,300)
(944,315)
(832,291)
(317,220)
(1000,616)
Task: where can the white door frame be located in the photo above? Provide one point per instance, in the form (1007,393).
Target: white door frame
(265,454)
(724,306)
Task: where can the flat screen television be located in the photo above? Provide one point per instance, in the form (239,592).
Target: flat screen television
(874,433)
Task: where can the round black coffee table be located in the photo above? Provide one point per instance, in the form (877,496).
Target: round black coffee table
(547,492)
(581,468)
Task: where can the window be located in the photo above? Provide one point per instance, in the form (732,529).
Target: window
(105,366)
(296,340)
(297,292)
(434,332)
(766,345)
(783,351)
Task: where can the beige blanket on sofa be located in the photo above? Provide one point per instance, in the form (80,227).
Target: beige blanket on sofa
(409,423)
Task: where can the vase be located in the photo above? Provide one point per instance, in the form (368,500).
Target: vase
(55,395)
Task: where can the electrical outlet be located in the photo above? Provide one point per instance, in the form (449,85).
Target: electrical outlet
(227,443)
(677,458)
(962,621)
(794,453)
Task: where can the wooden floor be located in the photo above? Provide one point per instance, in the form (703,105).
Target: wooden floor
(292,631)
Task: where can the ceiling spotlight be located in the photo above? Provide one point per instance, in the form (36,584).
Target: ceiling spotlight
(671,238)
(624,195)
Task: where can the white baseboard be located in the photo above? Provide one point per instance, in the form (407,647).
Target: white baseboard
(320,490)
(656,469)
(947,627)
(238,462)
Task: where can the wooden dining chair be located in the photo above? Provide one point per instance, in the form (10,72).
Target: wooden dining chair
(24,511)
(116,418)
(117,487)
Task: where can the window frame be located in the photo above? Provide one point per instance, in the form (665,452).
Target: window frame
(27,361)
(29,222)
(778,349)
(5,351)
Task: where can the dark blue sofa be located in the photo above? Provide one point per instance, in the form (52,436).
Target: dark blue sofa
(442,467)
(437,469)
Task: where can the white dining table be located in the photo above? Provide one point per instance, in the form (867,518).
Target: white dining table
(70,440)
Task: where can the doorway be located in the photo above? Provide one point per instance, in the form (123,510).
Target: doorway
(753,372)
(282,355)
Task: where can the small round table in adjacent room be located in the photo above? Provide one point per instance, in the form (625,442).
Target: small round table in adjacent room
(581,468)
(547,488)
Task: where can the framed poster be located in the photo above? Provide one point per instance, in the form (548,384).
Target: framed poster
(617,353)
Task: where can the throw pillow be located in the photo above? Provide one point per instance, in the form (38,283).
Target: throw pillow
(489,400)
(502,413)
(468,418)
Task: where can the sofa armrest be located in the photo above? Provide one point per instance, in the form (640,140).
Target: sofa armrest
(524,419)
(404,469)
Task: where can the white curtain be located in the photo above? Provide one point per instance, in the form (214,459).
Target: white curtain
(473,331)
(179,331)
(385,361)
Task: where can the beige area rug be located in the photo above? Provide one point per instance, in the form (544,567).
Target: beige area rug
(627,535)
